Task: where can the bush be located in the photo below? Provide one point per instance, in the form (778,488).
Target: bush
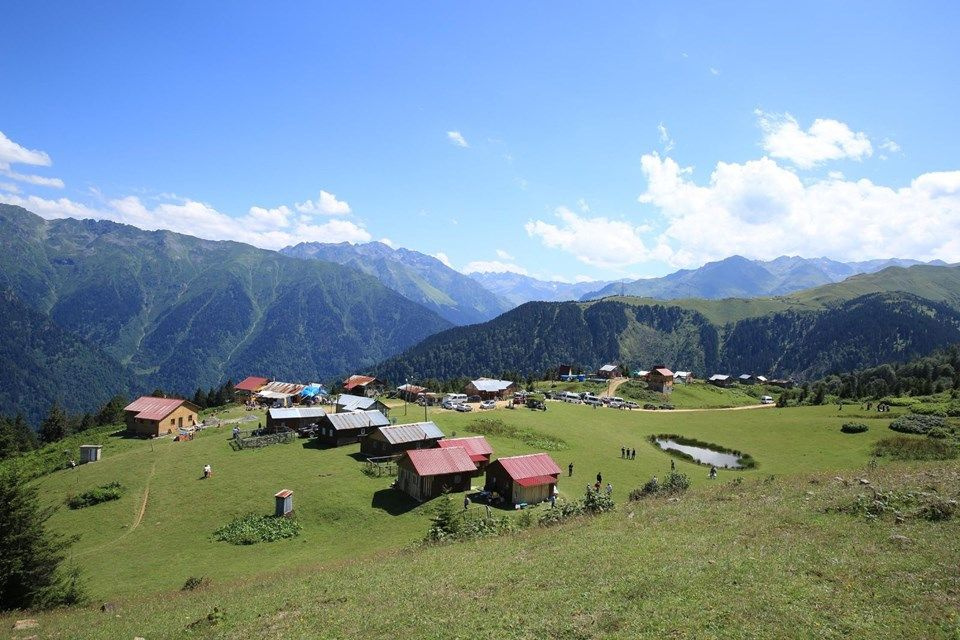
(906,448)
(674,483)
(562,511)
(597,502)
(938,433)
(103,493)
(917,424)
(854,427)
(193,583)
(929,410)
(252,528)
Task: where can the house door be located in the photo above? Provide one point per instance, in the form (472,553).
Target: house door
(180,422)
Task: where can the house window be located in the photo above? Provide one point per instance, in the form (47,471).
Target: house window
(173,421)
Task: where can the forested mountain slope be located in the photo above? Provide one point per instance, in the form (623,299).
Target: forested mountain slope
(180,312)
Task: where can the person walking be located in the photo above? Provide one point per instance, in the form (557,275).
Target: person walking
(466,503)
(623,452)
(599,478)
(207,471)
(633,454)
(609,489)
(713,473)
(673,465)
(570,470)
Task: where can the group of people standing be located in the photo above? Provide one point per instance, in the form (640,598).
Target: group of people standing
(628,453)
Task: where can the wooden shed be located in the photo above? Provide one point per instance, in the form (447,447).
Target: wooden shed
(364,385)
(525,479)
(426,473)
(149,417)
(388,441)
(720,380)
(660,379)
(608,371)
(477,448)
(346,402)
(345,428)
(294,418)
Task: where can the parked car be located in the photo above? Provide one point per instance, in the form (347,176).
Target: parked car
(473,399)
(446,404)
(463,408)
(629,404)
(488,404)
(615,404)
(667,407)
(592,400)
(650,407)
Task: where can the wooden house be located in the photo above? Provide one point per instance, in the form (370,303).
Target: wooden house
(149,417)
(410,392)
(720,380)
(346,428)
(683,377)
(364,386)
(523,479)
(609,371)
(294,418)
(477,448)
(427,473)
(346,403)
(490,389)
(660,379)
(249,386)
(394,440)
(747,378)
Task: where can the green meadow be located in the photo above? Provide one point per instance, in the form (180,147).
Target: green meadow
(612,576)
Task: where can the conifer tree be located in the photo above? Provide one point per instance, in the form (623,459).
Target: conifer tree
(55,426)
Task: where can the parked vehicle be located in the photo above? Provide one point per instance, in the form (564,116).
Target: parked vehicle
(488,404)
(592,400)
(463,408)
(569,396)
(629,404)
(455,398)
(766,400)
(650,407)
(614,404)
(446,404)
(473,399)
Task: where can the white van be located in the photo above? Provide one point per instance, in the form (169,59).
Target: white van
(570,396)
(766,400)
(455,398)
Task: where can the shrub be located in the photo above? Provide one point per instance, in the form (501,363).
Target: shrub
(906,448)
(252,528)
(937,510)
(674,483)
(929,410)
(938,433)
(193,583)
(562,511)
(598,502)
(854,427)
(103,493)
(917,424)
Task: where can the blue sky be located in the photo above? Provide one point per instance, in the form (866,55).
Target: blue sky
(550,138)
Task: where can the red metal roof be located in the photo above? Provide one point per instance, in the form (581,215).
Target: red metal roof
(438,462)
(532,465)
(150,408)
(477,447)
(535,481)
(357,381)
(251,384)
(664,372)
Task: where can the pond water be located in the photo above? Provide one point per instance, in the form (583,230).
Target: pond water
(702,455)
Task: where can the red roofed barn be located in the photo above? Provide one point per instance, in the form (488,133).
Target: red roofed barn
(477,448)
(523,479)
(427,473)
(150,417)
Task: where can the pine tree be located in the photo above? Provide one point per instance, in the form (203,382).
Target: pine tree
(112,412)
(31,557)
(55,426)
(200,398)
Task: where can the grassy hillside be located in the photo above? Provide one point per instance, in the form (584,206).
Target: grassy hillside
(776,544)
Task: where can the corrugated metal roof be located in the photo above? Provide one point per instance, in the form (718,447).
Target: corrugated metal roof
(438,462)
(251,383)
(666,373)
(297,412)
(280,390)
(534,481)
(477,446)
(491,385)
(355,403)
(150,408)
(357,420)
(403,433)
(719,376)
(746,376)
(608,367)
(357,381)
(529,466)
(682,374)
(411,388)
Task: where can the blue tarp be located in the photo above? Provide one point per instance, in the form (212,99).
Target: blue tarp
(313,390)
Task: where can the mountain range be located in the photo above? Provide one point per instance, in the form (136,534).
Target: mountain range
(517,288)
(891,315)
(414,275)
(158,309)
(739,277)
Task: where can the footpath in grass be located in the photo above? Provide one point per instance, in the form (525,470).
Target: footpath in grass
(346,515)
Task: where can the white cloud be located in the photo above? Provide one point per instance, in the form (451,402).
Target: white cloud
(9,186)
(762,210)
(503,255)
(388,242)
(714,71)
(326,204)
(890,145)
(599,241)
(442,257)
(583,205)
(522,183)
(494,266)
(12,153)
(267,228)
(825,140)
(665,140)
(457,138)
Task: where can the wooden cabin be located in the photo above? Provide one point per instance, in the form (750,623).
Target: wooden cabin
(364,385)
(525,479)
(477,448)
(249,386)
(720,380)
(345,428)
(426,473)
(346,402)
(389,441)
(410,392)
(294,418)
(150,417)
(609,371)
(490,389)
(660,379)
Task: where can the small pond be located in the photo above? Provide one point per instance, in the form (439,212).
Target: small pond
(702,455)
